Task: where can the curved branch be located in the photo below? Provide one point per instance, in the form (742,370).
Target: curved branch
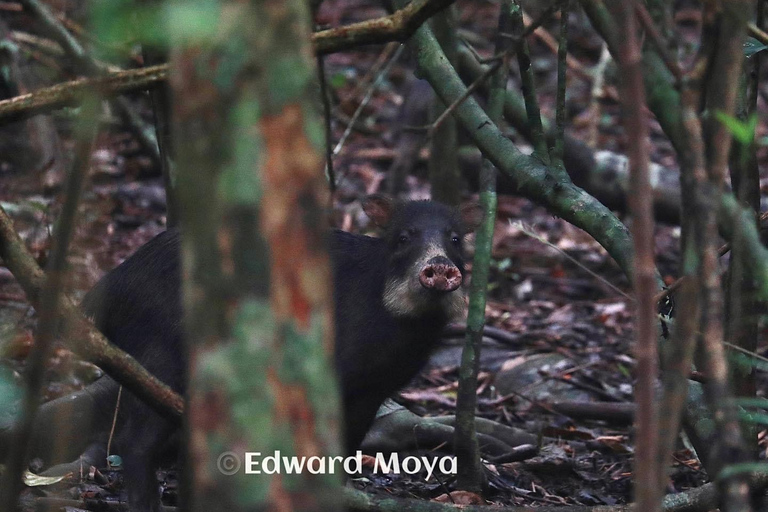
(395,27)
(398,26)
(84,338)
(531,177)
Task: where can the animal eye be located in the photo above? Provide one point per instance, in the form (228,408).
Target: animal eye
(403,239)
(455,239)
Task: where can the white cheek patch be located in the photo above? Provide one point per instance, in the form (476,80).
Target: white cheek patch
(408,298)
(399,300)
(454,305)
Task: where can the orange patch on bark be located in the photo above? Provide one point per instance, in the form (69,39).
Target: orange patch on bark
(291,177)
(292,407)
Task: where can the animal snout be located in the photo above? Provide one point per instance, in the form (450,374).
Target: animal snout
(440,274)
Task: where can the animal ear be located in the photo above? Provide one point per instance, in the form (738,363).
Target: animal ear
(379,209)
(472,216)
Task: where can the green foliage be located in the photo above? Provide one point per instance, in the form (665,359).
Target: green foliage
(753,46)
(626,372)
(742,131)
(288,78)
(192,21)
(239,184)
(121,22)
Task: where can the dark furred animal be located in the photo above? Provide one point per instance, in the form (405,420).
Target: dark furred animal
(393,296)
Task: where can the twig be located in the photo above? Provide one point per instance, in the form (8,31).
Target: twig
(71,93)
(366,99)
(48,311)
(466,446)
(544,16)
(562,54)
(648,491)
(114,421)
(81,335)
(10,7)
(471,89)
(47,45)
(529,231)
(529,89)
(373,72)
(89,66)
(658,41)
(550,42)
(720,252)
(398,26)
(757,33)
(328,130)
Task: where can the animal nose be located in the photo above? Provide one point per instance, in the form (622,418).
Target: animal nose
(440,274)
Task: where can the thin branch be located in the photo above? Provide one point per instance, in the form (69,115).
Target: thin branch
(562,55)
(366,99)
(81,335)
(550,42)
(527,230)
(52,290)
(648,491)
(89,66)
(470,90)
(658,41)
(720,252)
(517,45)
(398,26)
(757,33)
(470,473)
(529,88)
(596,92)
(329,172)
(72,93)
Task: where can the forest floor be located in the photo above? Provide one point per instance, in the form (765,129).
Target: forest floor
(562,308)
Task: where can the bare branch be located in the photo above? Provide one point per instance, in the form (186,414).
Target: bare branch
(72,93)
(398,26)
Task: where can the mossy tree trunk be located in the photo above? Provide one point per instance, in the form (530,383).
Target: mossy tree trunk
(256,290)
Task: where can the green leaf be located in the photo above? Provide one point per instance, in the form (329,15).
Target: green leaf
(753,46)
(742,131)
